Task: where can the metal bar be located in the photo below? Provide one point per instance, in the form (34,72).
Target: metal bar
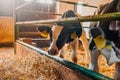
(23,5)
(14,16)
(41,12)
(49,25)
(84,71)
(75,8)
(109,16)
(29,34)
(74,3)
(15,28)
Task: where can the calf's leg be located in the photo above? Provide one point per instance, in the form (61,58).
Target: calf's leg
(94,60)
(85,44)
(74,46)
(117,71)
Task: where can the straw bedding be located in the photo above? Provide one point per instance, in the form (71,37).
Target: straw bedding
(29,65)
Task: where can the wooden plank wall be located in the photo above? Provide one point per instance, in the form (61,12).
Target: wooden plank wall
(6,30)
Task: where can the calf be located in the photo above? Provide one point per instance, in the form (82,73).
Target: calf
(62,33)
(105,39)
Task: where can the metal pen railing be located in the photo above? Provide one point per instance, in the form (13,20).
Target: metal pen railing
(94,75)
(86,72)
(108,16)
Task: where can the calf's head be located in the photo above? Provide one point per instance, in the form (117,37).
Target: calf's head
(106,47)
(62,33)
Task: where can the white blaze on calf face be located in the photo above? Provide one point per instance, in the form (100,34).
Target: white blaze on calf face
(56,30)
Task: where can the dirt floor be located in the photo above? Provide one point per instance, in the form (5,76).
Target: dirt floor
(14,68)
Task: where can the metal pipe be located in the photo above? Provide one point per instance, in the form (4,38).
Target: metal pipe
(49,25)
(75,8)
(84,71)
(41,12)
(23,5)
(74,3)
(108,16)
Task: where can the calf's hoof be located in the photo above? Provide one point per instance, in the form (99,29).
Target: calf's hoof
(75,60)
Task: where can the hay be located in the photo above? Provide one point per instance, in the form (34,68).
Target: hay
(27,64)
(82,61)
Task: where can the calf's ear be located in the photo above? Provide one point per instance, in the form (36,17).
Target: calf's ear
(44,31)
(74,35)
(76,32)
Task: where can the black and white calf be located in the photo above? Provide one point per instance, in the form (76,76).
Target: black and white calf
(62,33)
(105,39)
(100,45)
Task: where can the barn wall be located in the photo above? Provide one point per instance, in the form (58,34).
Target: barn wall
(6,30)
(34,6)
(62,7)
(96,2)
(6,8)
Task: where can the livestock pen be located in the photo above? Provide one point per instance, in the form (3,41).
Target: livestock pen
(30,62)
(112,16)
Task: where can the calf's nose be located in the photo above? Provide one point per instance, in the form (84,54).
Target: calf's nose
(52,52)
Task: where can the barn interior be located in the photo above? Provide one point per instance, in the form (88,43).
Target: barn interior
(24,49)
